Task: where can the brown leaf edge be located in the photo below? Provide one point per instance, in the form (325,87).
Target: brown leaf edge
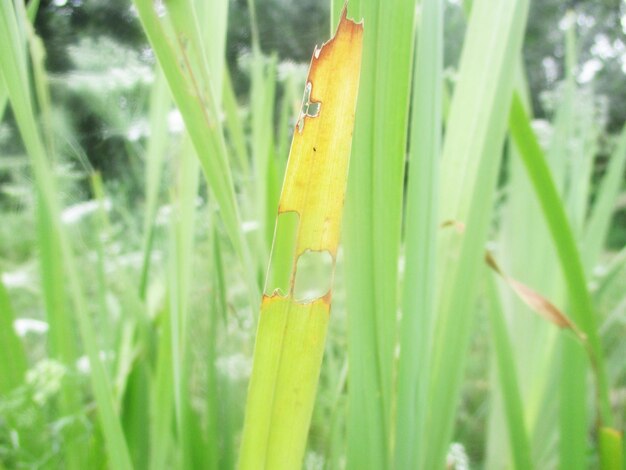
(536,302)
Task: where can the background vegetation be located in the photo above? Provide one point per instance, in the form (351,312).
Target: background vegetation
(137,217)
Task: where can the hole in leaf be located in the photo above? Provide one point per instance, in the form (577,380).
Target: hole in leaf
(309,108)
(283,252)
(314,275)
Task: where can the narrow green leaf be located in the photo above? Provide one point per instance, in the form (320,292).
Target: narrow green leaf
(13,361)
(162,400)
(470,164)
(419,288)
(599,221)
(181,256)
(373,225)
(234,126)
(571,265)
(507,377)
(155,154)
(193,91)
(14,70)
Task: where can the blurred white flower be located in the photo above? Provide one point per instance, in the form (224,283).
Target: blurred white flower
(19,278)
(550,68)
(23,326)
(457,458)
(289,68)
(84,366)
(313,461)
(163,215)
(248,226)
(605,49)
(237,366)
(74,213)
(544,131)
(589,70)
(568,20)
(584,20)
(132,259)
(175,122)
(137,130)
(104,65)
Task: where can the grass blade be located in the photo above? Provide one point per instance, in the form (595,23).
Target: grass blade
(599,220)
(292,328)
(470,163)
(181,251)
(556,219)
(579,298)
(420,234)
(13,361)
(234,126)
(162,409)
(155,155)
(193,92)
(13,68)
(507,376)
(373,226)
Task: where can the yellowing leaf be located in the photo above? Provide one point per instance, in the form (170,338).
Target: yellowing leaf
(316,174)
(291,334)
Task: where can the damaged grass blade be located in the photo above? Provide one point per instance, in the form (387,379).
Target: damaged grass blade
(565,244)
(609,439)
(536,301)
(295,311)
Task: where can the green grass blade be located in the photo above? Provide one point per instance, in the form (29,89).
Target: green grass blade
(14,71)
(13,361)
(182,242)
(162,409)
(61,333)
(4,98)
(135,408)
(582,134)
(611,275)
(582,311)
(262,121)
(507,377)
(573,413)
(155,154)
(234,126)
(564,119)
(131,377)
(470,163)
(31,12)
(420,233)
(219,434)
(573,420)
(373,225)
(288,114)
(189,84)
(599,221)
